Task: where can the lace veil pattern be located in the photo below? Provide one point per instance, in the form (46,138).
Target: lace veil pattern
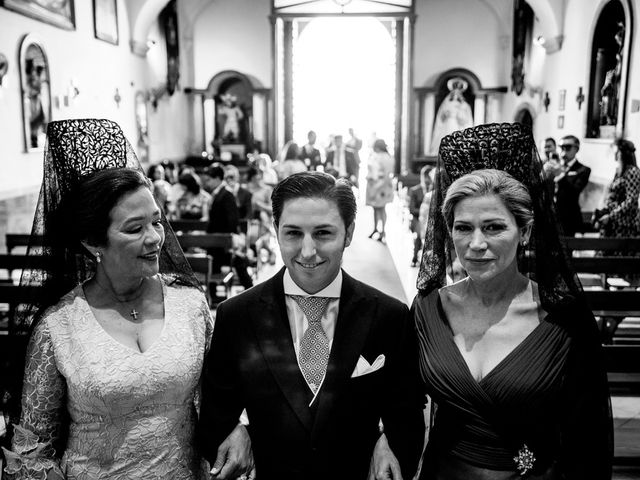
(76,148)
(509,147)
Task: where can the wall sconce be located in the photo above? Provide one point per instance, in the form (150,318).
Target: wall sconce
(580,98)
(154,95)
(117,98)
(4,66)
(546,101)
(73,90)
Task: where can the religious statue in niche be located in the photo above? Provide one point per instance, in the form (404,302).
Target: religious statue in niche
(169,19)
(522,24)
(36,93)
(453,114)
(610,90)
(231,116)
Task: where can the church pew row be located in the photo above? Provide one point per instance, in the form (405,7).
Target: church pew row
(188,225)
(201,264)
(603,244)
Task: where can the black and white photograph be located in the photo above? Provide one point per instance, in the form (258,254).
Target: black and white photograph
(319,239)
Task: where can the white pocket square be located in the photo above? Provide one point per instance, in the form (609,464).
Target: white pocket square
(363,367)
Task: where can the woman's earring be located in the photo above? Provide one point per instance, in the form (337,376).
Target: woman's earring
(524,243)
(98,257)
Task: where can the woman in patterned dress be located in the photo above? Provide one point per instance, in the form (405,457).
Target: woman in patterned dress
(117,344)
(621,217)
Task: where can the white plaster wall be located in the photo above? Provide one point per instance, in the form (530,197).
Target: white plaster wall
(97,69)
(568,69)
(233,35)
(460,33)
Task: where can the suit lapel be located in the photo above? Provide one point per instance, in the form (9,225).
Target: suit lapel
(274,336)
(353,323)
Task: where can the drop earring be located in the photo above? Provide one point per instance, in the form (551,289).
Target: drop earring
(525,243)
(98,257)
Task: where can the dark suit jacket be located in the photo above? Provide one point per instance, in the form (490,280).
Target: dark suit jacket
(568,198)
(243,200)
(313,156)
(416,195)
(351,163)
(252,365)
(223,215)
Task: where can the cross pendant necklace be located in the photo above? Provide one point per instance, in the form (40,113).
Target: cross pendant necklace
(134,314)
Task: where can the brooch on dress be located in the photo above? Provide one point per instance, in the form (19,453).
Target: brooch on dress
(524,460)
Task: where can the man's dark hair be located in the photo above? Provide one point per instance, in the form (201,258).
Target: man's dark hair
(550,139)
(315,185)
(573,138)
(215,171)
(251,172)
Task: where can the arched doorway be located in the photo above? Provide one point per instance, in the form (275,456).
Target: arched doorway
(344,77)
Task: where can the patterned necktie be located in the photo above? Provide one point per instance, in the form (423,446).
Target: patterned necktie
(314,346)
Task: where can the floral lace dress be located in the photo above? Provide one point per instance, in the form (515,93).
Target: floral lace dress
(128,414)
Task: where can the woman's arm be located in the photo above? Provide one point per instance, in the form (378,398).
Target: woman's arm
(33,448)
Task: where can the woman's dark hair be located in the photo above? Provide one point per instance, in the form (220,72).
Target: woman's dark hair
(252,172)
(380,145)
(87,209)
(292,152)
(315,185)
(627,153)
(191,181)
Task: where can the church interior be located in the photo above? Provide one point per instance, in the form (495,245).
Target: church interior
(197,82)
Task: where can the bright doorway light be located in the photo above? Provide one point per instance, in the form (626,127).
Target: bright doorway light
(344,77)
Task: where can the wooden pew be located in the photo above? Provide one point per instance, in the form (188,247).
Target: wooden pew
(603,244)
(188,225)
(14,240)
(201,265)
(13,296)
(207,241)
(622,363)
(616,311)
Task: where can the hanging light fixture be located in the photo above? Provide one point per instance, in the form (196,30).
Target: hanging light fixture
(342,3)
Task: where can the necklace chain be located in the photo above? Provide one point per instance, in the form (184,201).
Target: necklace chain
(133,313)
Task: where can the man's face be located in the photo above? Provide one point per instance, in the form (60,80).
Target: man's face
(312,138)
(231,177)
(337,141)
(549,148)
(569,149)
(312,238)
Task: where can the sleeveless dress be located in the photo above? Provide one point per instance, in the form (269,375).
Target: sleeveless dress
(546,394)
(128,414)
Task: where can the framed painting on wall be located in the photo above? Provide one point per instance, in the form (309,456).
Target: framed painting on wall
(36,92)
(105,20)
(56,12)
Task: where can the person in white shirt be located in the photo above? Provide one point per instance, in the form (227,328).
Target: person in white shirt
(318,359)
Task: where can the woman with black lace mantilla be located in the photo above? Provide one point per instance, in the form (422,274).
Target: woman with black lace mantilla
(510,355)
(119,334)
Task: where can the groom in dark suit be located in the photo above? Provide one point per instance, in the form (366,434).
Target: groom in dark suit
(324,365)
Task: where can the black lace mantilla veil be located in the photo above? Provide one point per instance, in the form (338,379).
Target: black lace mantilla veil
(76,148)
(545,260)
(509,147)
